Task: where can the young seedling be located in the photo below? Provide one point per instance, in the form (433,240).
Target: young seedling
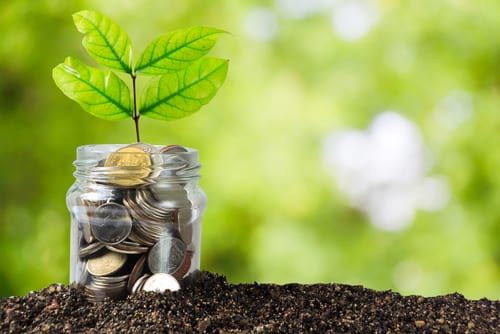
(183,80)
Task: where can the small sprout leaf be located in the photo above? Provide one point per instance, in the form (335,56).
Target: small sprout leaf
(184,79)
(182,93)
(105,40)
(100,93)
(177,50)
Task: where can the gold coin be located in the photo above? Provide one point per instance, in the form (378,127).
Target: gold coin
(106,264)
(136,162)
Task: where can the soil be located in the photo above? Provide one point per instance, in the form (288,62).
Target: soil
(214,306)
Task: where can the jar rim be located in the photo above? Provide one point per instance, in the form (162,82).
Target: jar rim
(170,165)
(112,148)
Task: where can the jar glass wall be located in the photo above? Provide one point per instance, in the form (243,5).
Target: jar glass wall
(136,215)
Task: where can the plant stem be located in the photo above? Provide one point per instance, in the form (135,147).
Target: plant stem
(135,114)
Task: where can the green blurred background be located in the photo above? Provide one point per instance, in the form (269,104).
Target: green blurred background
(353,141)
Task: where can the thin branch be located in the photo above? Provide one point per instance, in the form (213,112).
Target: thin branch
(135,114)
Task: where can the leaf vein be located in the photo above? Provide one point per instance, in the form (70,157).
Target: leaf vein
(179,92)
(103,94)
(111,47)
(153,60)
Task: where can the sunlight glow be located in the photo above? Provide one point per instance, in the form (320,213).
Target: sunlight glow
(261,24)
(352,20)
(382,171)
(454,109)
(299,9)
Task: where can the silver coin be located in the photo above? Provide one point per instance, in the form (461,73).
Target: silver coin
(166,255)
(86,231)
(161,282)
(94,295)
(143,207)
(90,249)
(128,247)
(80,214)
(154,231)
(147,148)
(136,272)
(97,195)
(111,223)
(184,267)
(140,283)
(150,221)
(184,215)
(173,160)
(109,281)
(84,274)
(173,149)
(186,232)
(97,293)
(141,239)
(170,196)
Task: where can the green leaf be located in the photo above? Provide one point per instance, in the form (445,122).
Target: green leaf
(104,40)
(177,50)
(100,93)
(182,93)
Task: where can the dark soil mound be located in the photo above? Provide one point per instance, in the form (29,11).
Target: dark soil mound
(213,305)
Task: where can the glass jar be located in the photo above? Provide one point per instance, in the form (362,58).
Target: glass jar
(136,215)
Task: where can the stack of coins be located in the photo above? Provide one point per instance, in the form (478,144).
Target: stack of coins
(135,233)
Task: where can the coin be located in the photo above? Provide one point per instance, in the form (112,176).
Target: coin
(128,247)
(150,220)
(111,223)
(84,274)
(173,160)
(90,249)
(144,207)
(101,288)
(146,147)
(184,215)
(80,215)
(173,149)
(109,281)
(161,282)
(138,285)
(167,255)
(106,264)
(186,232)
(86,231)
(137,236)
(98,194)
(136,163)
(170,195)
(136,272)
(184,267)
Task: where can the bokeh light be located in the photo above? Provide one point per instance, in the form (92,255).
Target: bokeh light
(383,171)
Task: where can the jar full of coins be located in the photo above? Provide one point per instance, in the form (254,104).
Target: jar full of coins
(136,215)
